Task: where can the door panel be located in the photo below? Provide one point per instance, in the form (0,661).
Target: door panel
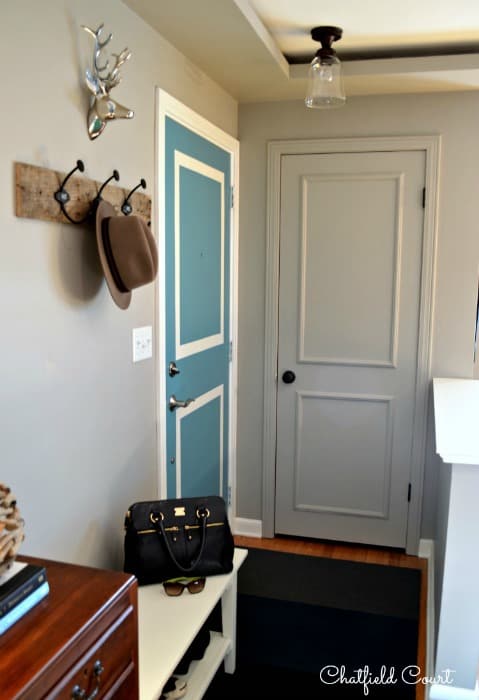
(350,267)
(199,441)
(197,232)
(337,256)
(363,460)
(199,256)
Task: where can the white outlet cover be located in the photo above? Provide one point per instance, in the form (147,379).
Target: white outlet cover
(142,343)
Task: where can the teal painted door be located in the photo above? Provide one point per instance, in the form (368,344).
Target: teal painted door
(197,284)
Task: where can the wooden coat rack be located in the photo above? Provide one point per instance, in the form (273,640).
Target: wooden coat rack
(35,189)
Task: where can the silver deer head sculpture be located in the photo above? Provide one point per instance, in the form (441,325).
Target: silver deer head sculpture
(100,81)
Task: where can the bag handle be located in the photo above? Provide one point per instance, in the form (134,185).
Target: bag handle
(203,515)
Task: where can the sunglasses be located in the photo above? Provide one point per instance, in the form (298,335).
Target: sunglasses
(175,588)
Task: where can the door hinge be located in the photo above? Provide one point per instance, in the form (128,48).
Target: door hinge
(409,493)
(232,196)
(230,351)
(229,495)
(423,197)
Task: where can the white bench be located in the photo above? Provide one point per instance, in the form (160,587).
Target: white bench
(168,625)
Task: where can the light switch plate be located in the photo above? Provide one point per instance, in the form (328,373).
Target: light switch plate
(142,343)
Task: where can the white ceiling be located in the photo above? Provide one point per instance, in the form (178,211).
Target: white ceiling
(375,24)
(260,49)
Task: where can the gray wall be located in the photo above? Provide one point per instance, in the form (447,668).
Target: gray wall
(453,115)
(77,421)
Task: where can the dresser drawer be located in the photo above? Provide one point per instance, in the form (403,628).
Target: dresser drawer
(107,669)
(89,616)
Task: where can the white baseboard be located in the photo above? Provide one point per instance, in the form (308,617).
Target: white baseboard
(247,527)
(426,551)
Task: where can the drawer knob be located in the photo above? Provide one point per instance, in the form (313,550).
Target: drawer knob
(80,694)
(98,668)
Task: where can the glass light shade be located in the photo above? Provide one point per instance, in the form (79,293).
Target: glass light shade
(325,83)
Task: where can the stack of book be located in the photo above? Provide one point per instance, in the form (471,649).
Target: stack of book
(22,586)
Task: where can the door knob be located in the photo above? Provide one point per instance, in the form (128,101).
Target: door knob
(173,369)
(176,403)
(288,376)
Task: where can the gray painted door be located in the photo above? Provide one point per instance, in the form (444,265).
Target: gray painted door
(350,276)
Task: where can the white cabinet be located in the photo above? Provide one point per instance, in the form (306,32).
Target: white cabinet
(168,625)
(456,411)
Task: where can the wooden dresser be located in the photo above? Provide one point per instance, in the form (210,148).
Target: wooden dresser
(80,642)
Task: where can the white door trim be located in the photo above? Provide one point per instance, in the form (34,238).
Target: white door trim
(431,145)
(168,106)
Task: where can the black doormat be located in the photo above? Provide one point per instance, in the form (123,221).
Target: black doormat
(322,628)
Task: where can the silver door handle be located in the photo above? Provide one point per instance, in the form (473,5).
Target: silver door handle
(176,403)
(173,369)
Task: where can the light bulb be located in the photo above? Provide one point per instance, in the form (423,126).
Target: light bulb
(325,73)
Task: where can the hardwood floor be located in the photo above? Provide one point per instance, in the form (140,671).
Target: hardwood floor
(359,553)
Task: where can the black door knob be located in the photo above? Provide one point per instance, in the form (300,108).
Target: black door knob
(288,376)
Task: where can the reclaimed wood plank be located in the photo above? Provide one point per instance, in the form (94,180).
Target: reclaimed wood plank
(35,188)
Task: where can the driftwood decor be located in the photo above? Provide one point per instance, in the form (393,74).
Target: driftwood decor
(35,189)
(11,528)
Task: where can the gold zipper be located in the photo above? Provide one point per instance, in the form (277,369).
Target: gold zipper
(174,528)
(167,529)
(196,527)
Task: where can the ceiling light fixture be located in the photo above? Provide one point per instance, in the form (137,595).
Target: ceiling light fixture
(325,81)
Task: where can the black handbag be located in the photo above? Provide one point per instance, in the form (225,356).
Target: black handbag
(179,537)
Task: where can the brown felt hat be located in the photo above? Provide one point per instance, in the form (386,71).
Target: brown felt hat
(127,250)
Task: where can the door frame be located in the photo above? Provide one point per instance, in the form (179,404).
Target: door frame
(431,146)
(168,106)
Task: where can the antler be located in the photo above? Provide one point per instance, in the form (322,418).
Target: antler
(113,78)
(94,79)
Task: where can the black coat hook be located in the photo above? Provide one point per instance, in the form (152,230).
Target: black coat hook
(115,176)
(63,197)
(126,206)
